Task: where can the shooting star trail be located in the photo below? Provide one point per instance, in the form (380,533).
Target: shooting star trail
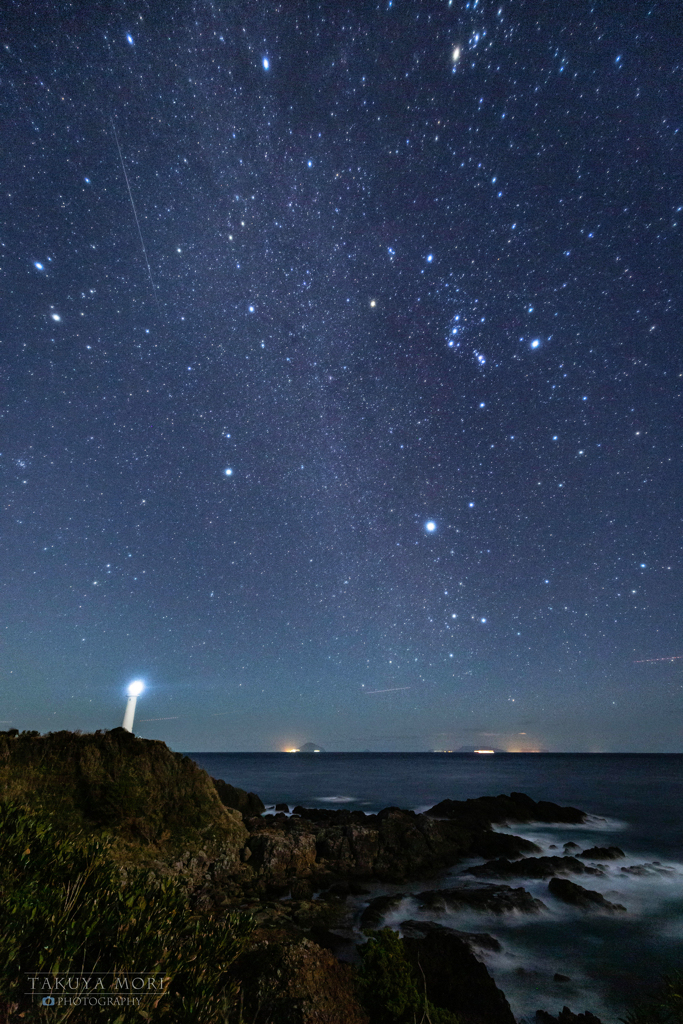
(135,214)
(390,689)
(171,718)
(674,657)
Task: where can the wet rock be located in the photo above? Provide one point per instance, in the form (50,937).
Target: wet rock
(571,848)
(282,807)
(377,909)
(344,889)
(602,853)
(335,846)
(533,867)
(584,899)
(517,807)
(496,899)
(454,978)
(499,844)
(479,940)
(648,870)
(561,977)
(567,1017)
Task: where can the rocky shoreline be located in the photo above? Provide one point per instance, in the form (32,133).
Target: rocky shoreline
(301,876)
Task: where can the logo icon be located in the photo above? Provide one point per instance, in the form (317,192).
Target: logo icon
(48,1001)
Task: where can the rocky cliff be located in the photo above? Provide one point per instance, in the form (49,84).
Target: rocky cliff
(144,794)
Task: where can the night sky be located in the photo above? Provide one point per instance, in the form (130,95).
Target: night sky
(367,379)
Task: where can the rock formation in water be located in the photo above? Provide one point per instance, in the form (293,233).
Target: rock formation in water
(584,899)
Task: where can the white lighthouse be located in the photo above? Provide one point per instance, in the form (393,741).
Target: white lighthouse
(134,691)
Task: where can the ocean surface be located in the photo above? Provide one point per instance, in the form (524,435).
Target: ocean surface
(635,802)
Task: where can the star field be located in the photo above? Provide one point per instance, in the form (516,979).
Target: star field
(341,352)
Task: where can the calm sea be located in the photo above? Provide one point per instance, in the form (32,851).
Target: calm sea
(637,804)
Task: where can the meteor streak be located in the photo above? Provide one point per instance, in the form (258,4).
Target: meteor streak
(389,689)
(135,214)
(674,657)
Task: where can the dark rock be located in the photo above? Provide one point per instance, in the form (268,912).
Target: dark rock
(567,1017)
(316,914)
(518,807)
(570,848)
(561,977)
(602,853)
(648,870)
(532,867)
(297,983)
(248,804)
(377,909)
(454,978)
(496,899)
(282,807)
(479,940)
(332,846)
(499,844)
(301,889)
(577,896)
(277,856)
(344,889)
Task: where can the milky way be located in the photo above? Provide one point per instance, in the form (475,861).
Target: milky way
(404,414)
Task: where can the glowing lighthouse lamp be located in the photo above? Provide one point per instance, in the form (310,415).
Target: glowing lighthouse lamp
(134,691)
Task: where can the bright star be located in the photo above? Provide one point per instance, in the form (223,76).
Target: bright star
(535,343)
(55,316)
(456,54)
(228,472)
(266,64)
(430,257)
(130,39)
(39,266)
(430,527)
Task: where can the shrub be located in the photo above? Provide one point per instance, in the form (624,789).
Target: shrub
(388,988)
(665,1008)
(66,906)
